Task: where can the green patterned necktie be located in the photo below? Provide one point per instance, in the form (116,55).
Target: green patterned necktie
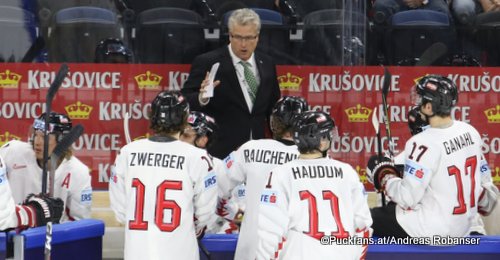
(251,80)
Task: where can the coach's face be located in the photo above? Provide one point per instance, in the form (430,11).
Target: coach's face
(243,40)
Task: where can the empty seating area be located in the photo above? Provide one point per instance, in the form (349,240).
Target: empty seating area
(294,32)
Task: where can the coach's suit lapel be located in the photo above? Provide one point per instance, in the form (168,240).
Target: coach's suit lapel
(232,79)
(262,75)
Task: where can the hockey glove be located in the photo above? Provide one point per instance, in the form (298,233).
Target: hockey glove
(379,171)
(45,209)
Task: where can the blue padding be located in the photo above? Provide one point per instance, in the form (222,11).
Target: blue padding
(66,232)
(220,242)
(420,17)
(488,245)
(85,14)
(3,245)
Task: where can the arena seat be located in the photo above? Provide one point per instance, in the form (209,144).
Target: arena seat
(168,35)
(487,36)
(76,240)
(76,31)
(334,37)
(19,30)
(412,32)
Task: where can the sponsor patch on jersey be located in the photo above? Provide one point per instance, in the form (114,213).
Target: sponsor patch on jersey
(86,197)
(484,167)
(415,170)
(3,176)
(241,192)
(229,161)
(210,180)
(269,197)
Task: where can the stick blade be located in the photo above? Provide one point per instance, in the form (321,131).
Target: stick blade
(56,84)
(67,141)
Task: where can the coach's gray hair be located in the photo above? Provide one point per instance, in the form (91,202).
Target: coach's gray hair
(244,17)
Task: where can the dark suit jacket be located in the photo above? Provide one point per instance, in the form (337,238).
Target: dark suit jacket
(228,106)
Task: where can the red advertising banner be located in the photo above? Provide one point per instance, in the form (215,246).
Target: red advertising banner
(98,96)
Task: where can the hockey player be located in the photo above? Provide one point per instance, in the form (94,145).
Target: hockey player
(35,211)
(163,190)
(253,161)
(200,132)
(72,181)
(309,205)
(442,173)
(417,123)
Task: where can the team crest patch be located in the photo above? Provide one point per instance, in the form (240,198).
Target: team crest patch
(113,176)
(415,170)
(210,180)
(269,197)
(229,160)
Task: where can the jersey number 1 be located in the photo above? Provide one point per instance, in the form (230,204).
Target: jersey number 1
(162,204)
(470,169)
(313,214)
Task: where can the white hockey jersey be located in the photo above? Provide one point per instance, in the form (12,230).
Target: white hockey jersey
(251,164)
(165,193)
(8,217)
(441,178)
(72,181)
(307,199)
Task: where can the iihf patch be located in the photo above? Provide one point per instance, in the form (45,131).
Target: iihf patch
(3,177)
(415,170)
(210,180)
(229,161)
(86,197)
(484,167)
(269,197)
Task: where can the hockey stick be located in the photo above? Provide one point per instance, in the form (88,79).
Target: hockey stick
(55,157)
(432,54)
(385,91)
(34,49)
(56,84)
(126,129)
(376,125)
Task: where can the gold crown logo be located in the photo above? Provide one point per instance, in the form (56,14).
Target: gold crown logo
(6,137)
(9,79)
(148,80)
(362,174)
(493,114)
(358,113)
(496,176)
(289,82)
(78,110)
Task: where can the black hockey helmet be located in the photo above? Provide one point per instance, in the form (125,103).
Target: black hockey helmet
(286,109)
(59,124)
(310,127)
(201,123)
(169,109)
(416,121)
(440,91)
(112,50)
